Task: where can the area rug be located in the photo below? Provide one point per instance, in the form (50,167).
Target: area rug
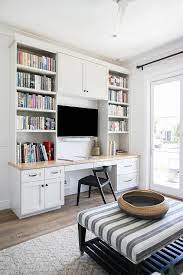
(52,254)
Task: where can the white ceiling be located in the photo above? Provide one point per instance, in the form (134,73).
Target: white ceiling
(89,24)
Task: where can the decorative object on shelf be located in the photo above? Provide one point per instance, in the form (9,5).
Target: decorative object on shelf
(96,148)
(145,204)
(112,148)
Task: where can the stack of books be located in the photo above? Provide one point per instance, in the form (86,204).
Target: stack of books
(118,81)
(32,152)
(118,126)
(35,123)
(36,61)
(34,81)
(118,110)
(34,101)
(118,96)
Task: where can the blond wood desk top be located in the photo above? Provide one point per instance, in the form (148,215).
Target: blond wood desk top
(47,164)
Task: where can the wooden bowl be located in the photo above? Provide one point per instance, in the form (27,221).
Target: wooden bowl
(145,204)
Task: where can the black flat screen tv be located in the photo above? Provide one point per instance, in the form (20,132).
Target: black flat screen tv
(77,122)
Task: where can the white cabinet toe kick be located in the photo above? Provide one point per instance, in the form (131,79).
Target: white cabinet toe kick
(39,190)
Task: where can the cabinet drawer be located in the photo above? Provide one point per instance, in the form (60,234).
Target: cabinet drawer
(127,181)
(32,175)
(127,166)
(78,166)
(53,172)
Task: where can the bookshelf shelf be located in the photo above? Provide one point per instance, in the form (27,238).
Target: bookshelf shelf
(118,103)
(114,116)
(26,144)
(113,87)
(35,70)
(122,117)
(35,110)
(34,91)
(36,131)
(118,132)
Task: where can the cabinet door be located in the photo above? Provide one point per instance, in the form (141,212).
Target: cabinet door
(52,193)
(95,80)
(32,197)
(70,76)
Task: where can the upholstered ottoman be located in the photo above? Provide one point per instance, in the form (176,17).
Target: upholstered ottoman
(126,244)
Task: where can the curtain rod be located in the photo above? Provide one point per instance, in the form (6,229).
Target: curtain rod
(157,60)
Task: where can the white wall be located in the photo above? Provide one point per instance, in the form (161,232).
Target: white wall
(140,99)
(4,119)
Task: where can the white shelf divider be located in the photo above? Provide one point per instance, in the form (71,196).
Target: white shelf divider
(35,110)
(34,91)
(36,131)
(112,87)
(118,103)
(35,70)
(122,117)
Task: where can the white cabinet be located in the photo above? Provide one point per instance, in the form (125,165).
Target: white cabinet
(95,80)
(70,75)
(52,193)
(80,78)
(35,191)
(127,174)
(32,197)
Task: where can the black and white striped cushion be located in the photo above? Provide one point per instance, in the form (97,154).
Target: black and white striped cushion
(134,238)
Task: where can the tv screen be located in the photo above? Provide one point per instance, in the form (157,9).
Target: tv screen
(75,121)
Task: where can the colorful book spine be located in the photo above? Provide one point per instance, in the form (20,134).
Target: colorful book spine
(36,61)
(33,152)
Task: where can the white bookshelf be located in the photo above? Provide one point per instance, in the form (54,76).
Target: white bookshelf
(119,136)
(28,135)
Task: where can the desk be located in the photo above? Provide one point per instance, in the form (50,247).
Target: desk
(39,187)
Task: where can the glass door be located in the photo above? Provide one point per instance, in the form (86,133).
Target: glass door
(166,138)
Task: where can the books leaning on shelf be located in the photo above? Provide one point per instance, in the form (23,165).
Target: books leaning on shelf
(34,81)
(118,96)
(118,110)
(34,101)
(118,81)
(35,123)
(33,152)
(36,61)
(118,126)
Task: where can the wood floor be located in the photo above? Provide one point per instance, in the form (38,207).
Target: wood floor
(14,231)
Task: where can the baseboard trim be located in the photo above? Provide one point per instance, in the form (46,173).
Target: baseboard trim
(4,204)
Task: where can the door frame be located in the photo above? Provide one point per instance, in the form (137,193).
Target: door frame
(169,191)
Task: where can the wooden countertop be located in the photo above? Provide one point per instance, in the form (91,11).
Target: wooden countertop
(47,164)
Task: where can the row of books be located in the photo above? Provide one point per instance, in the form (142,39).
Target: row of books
(35,123)
(117,80)
(116,126)
(117,110)
(34,152)
(36,61)
(26,100)
(118,96)
(34,81)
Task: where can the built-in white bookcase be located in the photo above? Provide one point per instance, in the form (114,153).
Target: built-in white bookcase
(32,65)
(115,111)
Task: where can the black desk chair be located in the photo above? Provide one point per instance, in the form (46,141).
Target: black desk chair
(96,181)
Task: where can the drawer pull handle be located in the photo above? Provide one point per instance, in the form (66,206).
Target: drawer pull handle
(128,180)
(42,185)
(54,172)
(46,184)
(126,166)
(32,175)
